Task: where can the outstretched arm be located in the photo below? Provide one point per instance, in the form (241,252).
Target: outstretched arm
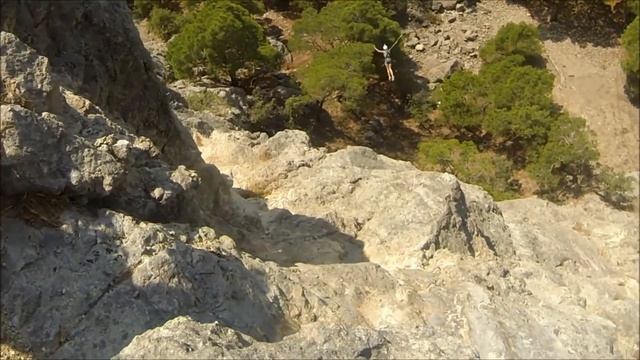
(378,50)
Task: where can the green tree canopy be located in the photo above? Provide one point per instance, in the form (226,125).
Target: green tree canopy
(342,72)
(565,163)
(487,169)
(507,99)
(513,39)
(343,21)
(165,23)
(218,40)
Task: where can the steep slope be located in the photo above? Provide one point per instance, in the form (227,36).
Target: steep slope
(113,243)
(523,278)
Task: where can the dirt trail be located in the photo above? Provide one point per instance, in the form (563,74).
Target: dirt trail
(590,83)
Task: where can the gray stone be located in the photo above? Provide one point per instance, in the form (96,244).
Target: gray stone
(471,36)
(412,42)
(347,254)
(441,72)
(446,4)
(420,47)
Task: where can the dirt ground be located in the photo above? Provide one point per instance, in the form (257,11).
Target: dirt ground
(590,83)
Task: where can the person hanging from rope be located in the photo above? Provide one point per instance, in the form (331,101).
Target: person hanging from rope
(386,52)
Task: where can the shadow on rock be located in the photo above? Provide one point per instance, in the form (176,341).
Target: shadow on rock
(87,288)
(285,238)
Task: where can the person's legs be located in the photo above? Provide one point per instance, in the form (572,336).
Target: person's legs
(391,73)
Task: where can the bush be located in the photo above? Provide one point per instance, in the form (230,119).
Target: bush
(631,61)
(301,112)
(255,7)
(344,21)
(165,23)
(205,100)
(487,169)
(342,72)
(266,115)
(420,106)
(142,8)
(564,165)
(508,100)
(218,40)
(513,39)
(613,187)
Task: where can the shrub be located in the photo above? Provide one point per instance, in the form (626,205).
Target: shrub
(462,100)
(564,165)
(420,106)
(342,72)
(344,21)
(487,169)
(613,187)
(301,112)
(266,115)
(165,23)
(142,8)
(513,39)
(631,61)
(219,39)
(302,5)
(253,6)
(507,99)
(205,100)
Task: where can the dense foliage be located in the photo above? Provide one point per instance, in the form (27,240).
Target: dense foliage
(487,169)
(564,165)
(342,72)
(165,23)
(513,39)
(219,39)
(507,100)
(343,21)
(507,108)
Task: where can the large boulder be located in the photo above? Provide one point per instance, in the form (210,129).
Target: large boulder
(438,73)
(402,215)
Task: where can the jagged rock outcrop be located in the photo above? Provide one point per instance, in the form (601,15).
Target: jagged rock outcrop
(56,142)
(401,214)
(551,282)
(95,52)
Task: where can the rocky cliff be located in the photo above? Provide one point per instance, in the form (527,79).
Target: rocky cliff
(120,240)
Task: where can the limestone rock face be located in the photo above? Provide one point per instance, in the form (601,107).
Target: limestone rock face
(56,142)
(451,262)
(87,288)
(113,244)
(401,214)
(96,52)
